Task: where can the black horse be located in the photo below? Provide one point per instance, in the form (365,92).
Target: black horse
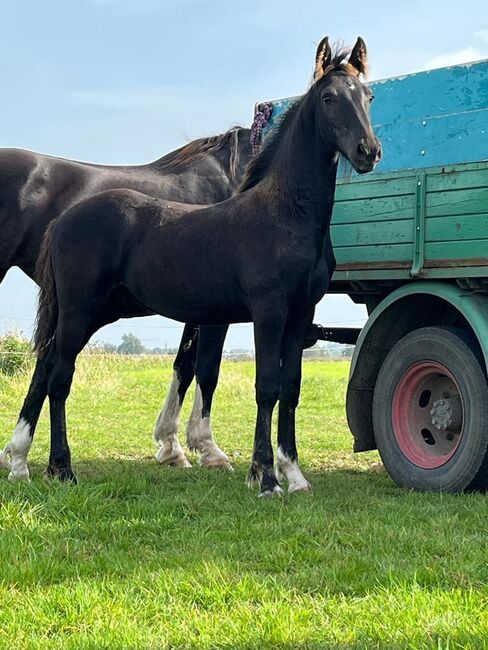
(35,189)
(262,255)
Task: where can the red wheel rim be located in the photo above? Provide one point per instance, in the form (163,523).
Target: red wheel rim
(428,414)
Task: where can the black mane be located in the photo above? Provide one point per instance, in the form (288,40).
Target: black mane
(201,148)
(258,167)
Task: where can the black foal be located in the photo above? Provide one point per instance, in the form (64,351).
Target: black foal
(262,255)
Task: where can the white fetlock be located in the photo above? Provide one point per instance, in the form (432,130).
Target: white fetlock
(199,437)
(17,450)
(168,455)
(17,465)
(290,470)
(170,452)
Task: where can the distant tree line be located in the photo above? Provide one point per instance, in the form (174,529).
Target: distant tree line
(131,345)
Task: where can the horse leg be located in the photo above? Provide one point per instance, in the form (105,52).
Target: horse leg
(268,333)
(199,433)
(165,435)
(71,335)
(287,456)
(14,456)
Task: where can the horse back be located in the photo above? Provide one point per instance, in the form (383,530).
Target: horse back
(34,189)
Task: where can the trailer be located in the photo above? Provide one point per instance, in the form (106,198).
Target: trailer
(411,243)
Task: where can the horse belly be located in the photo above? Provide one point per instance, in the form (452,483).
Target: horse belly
(184,293)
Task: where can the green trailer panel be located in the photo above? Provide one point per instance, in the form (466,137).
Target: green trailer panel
(434,219)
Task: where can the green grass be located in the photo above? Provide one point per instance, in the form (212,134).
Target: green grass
(139,556)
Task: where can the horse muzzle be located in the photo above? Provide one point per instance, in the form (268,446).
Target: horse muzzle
(368,155)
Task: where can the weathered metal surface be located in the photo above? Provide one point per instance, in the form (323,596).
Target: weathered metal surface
(436,218)
(370,266)
(428,118)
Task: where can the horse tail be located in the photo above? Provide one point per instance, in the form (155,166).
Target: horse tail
(47,309)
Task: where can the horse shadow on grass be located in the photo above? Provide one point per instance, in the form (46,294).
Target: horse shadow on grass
(360,506)
(205,536)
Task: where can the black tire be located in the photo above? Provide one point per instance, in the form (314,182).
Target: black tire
(457,351)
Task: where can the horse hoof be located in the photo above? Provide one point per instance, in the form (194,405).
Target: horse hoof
(303,486)
(275,491)
(19,475)
(63,474)
(18,471)
(217,463)
(68,477)
(181,462)
(171,460)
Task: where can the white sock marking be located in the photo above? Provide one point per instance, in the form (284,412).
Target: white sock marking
(199,435)
(292,473)
(17,451)
(170,452)
(275,491)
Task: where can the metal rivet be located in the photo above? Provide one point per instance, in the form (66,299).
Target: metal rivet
(424,123)
(419,183)
(422,153)
(418,227)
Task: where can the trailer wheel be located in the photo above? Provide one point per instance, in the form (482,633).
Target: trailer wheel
(430,411)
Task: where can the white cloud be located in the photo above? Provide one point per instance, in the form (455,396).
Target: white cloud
(465,55)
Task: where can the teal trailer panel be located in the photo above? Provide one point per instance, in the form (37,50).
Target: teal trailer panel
(426,119)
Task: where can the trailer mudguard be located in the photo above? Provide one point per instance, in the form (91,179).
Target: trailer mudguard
(417,304)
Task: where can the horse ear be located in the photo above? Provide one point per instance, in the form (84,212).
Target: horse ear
(359,57)
(322,58)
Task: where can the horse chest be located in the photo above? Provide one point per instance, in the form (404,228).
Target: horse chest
(312,275)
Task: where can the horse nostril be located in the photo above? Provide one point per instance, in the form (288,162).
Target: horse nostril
(362,149)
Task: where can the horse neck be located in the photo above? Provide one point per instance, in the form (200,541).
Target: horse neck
(201,181)
(213,176)
(306,170)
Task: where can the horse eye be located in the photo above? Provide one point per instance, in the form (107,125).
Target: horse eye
(326,98)
(371,97)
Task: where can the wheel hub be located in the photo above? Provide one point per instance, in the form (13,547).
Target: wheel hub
(427,414)
(447,414)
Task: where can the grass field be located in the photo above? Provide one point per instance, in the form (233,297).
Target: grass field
(139,556)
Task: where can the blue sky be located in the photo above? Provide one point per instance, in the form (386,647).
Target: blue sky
(124,81)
